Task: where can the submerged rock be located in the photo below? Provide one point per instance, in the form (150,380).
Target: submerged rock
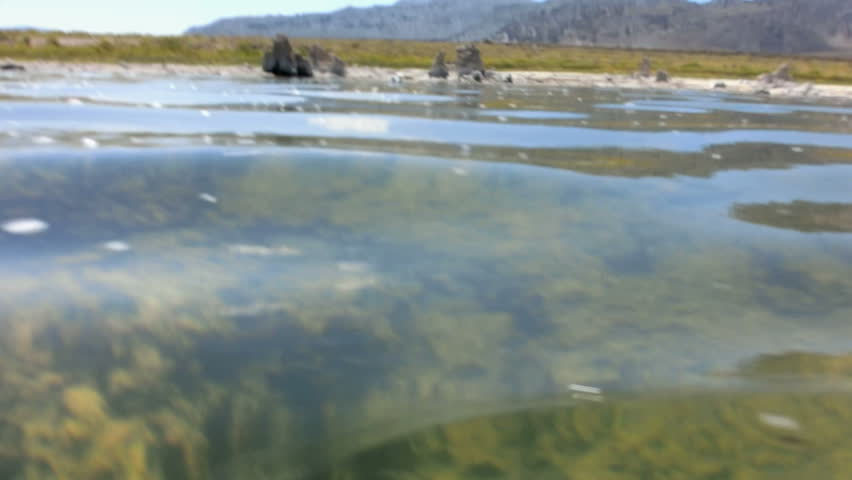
(12,67)
(720,85)
(439,67)
(662,76)
(282,61)
(469,60)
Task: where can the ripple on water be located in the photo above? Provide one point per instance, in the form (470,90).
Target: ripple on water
(533,114)
(388,128)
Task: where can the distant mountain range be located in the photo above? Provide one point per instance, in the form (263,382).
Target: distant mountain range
(23,28)
(766,26)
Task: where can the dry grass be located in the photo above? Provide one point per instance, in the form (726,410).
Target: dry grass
(407,54)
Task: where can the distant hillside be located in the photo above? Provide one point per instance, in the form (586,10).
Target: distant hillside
(766,26)
(406,20)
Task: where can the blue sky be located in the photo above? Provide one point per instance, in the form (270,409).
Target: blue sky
(151,16)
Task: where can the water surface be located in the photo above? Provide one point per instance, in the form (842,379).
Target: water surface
(203,278)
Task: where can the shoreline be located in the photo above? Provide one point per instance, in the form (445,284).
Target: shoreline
(804,90)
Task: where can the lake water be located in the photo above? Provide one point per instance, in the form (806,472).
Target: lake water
(204,278)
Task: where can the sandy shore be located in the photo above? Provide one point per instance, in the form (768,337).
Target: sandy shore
(558,79)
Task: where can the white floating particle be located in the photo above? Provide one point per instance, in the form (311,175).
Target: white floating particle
(779,421)
(512,105)
(523,156)
(716,156)
(89,142)
(24,226)
(502,119)
(117,246)
(75,101)
(664,116)
(584,389)
(482,105)
(323,143)
(207,139)
(42,140)
(460,171)
(206,197)
(204,113)
(155,105)
(797,149)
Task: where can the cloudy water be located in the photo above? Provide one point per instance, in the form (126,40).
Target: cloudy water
(204,278)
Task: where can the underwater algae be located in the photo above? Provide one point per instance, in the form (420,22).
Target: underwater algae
(408,295)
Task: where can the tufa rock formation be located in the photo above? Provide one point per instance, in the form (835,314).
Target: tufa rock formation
(439,67)
(338,66)
(469,61)
(320,58)
(782,74)
(282,61)
(645,67)
(303,66)
(326,62)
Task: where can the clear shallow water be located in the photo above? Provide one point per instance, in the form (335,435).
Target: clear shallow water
(365,281)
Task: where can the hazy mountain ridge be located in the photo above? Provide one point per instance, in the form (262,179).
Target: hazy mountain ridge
(408,19)
(769,26)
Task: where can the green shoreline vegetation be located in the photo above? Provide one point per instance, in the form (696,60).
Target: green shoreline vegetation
(82,47)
